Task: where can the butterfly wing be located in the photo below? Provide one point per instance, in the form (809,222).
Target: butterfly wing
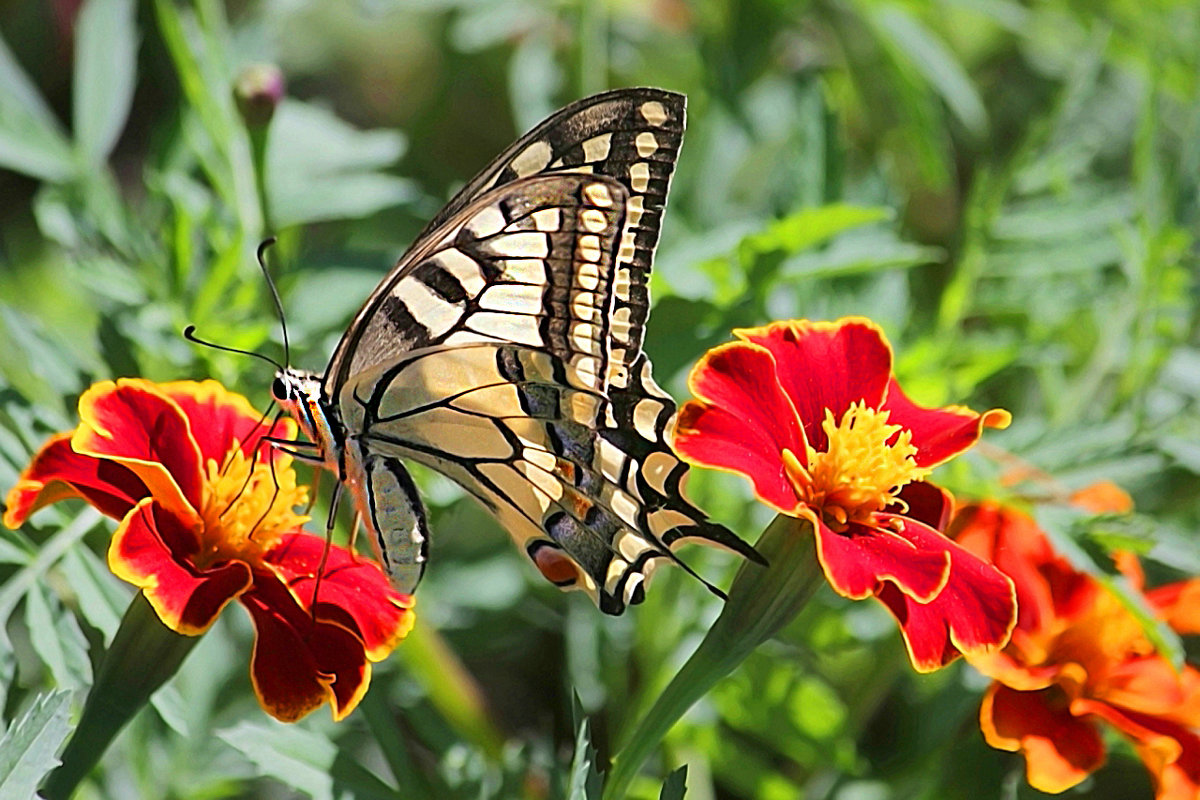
(629,135)
(512,388)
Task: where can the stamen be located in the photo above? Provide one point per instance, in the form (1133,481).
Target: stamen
(864,466)
(247,506)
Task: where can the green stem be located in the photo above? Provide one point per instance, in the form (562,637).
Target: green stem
(144,654)
(761,601)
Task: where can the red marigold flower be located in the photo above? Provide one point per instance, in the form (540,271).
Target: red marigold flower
(811,413)
(206,517)
(1079,658)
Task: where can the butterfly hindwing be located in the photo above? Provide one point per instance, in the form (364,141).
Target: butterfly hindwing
(525,434)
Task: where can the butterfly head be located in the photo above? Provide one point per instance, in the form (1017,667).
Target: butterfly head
(299,393)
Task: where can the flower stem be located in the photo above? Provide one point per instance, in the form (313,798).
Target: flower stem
(143,655)
(761,601)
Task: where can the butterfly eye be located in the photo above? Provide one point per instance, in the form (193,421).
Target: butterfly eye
(279,390)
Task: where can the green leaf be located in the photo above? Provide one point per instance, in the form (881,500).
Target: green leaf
(929,56)
(809,227)
(28,749)
(320,168)
(585,781)
(106,42)
(305,760)
(59,644)
(31,139)
(675,785)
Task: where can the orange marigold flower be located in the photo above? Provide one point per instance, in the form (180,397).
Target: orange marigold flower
(811,413)
(1079,658)
(206,517)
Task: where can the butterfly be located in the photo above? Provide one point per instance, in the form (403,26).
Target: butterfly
(504,350)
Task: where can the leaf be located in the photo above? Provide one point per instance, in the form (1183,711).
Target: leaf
(58,642)
(28,750)
(929,56)
(320,168)
(675,785)
(809,227)
(304,760)
(105,75)
(31,140)
(584,781)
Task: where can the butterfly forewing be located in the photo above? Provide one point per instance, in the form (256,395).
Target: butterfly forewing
(629,135)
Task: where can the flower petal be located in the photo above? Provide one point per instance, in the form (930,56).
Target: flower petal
(220,417)
(1060,749)
(925,503)
(1170,751)
(152,549)
(353,592)
(299,664)
(133,423)
(826,365)
(742,422)
(1178,604)
(974,613)
(939,434)
(1047,585)
(57,472)
(859,560)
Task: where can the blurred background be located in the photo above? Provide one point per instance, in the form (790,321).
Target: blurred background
(1009,189)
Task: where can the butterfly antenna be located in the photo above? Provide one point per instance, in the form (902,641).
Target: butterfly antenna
(262,263)
(189,333)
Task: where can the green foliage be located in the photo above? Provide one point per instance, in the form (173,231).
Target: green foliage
(1010,190)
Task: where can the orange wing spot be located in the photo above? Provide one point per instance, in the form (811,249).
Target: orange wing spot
(581,504)
(558,568)
(565,470)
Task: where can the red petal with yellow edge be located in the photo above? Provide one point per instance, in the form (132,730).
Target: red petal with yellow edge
(57,472)
(353,592)
(1060,749)
(218,417)
(974,613)
(1170,751)
(939,434)
(152,549)
(826,365)
(132,422)
(857,561)
(299,664)
(742,422)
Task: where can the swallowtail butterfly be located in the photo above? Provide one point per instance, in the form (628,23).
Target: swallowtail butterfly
(504,350)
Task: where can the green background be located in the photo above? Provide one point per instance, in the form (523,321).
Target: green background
(1009,189)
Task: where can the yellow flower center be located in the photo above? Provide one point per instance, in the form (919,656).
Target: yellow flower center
(860,472)
(247,507)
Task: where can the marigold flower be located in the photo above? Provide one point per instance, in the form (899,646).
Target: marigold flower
(811,413)
(1079,658)
(206,517)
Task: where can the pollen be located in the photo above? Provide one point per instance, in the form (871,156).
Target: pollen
(247,507)
(866,464)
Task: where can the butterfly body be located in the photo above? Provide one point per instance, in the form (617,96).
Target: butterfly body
(504,351)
